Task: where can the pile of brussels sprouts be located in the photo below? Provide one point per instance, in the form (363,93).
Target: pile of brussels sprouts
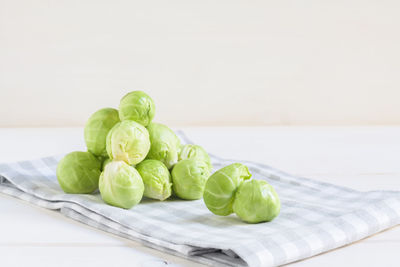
(129,156)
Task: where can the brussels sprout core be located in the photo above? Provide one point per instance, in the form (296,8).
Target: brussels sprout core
(256,201)
(78,173)
(156,179)
(221,187)
(121,185)
(128,141)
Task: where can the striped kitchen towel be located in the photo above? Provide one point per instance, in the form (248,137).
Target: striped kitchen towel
(315,217)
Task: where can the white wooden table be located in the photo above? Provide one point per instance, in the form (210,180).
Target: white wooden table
(364,158)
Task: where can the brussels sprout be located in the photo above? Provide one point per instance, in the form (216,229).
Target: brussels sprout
(121,185)
(221,187)
(189,177)
(194,151)
(165,145)
(128,141)
(137,106)
(156,179)
(78,173)
(97,128)
(256,201)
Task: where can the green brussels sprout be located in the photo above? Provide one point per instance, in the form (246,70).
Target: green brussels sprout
(128,141)
(121,185)
(156,179)
(165,145)
(137,106)
(256,201)
(97,128)
(220,189)
(194,151)
(189,177)
(78,173)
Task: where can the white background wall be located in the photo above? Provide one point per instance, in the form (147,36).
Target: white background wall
(203,62)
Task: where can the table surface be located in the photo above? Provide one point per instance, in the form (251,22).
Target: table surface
(363,158)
